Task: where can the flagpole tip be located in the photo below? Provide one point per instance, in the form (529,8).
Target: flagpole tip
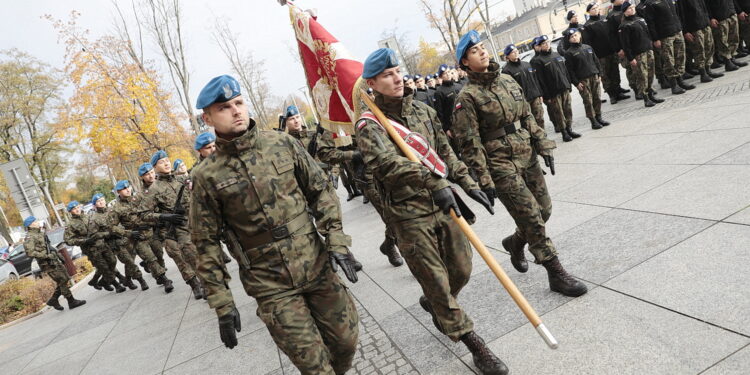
(282,2)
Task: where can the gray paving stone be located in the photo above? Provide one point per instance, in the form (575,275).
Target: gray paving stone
(704,277)
(62,348)
(612,149)
(742,217)
(70,364)
(605,332)
(696,148)
(737,364)
(739,155)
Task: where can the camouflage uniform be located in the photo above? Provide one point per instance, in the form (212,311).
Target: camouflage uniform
(537,109)
(77,233)
(702,47)
(128,215)
(727,37)
(49,261)
(507,162)
(157,240)
(673,55)
(435,249)
(303,135)
(99,226)
(560,111)
(258,189)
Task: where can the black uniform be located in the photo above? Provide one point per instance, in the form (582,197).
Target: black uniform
(596,33)
(445,95)
(693,15)
(634,37)
(423,95)
(552,73)
(614,18)
(581,62)
(525,75)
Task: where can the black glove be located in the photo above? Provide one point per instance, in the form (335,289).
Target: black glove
(549,162)
(491,194)
(357,157)
(136,235)
(228,324)
(172,218)
(444,199)
(348,264)
(483,199)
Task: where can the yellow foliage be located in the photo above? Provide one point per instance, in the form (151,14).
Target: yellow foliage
(429,58)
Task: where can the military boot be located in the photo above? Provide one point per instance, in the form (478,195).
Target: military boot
(562,282)
(663,83)
(365,200)
(427,307)
(388,248)
(621,96)
(118,288)
(676,89)
(647,101)
(565,136)
(714,75)
(514,245)
(196,285)
(54,301)
(705,78)
(350,195)
(144,286)
(168,287)
(687,75)
(595,124)
(130,284)
(73,303)
(738,63)
(601,121)
(639,96)
(729,66)
(571,133)
(94,282)
(683,85)
(486,361)
(622,90)
(652,95)
(613,98)
(106,286)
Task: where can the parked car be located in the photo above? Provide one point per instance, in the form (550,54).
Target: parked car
(7,271)
(20,260)
(57,238)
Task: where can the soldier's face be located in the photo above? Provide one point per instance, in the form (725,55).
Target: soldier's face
(513,55)
(230,119)
(630,11)
(410,84)
(294,123)
(594,11)
(149,177)
(574,19)
(76,210)
(420,83)
(476,58)
(207,150)
(36,224)
(125,193)
(575,38)
(163,166)
(182,169)
(389,82)
(544,46)
(431,82)
(100,203)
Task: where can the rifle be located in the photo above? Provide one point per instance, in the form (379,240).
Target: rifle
(312,148)
(177,209)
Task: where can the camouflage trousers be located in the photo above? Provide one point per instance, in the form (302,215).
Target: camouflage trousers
(560,111)
(56,271)
(143,249)
(727,37)
(105,262)
(702,47)
(316,326)
(745,31)
(157,247)
(373,195)
(183,252)
(672,54)
(524,194)
(439,257)
(537,109)
(120,249)
(644,72)
(629,74)
(610,74)
(658,65)
(591,95)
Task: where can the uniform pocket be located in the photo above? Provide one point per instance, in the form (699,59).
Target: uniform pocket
(283,165)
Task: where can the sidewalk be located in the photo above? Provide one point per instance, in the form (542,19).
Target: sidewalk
(652,212)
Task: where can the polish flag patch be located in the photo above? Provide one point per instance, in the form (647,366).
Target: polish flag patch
(458,105)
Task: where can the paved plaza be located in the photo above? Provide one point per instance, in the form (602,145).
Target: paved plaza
(652,213)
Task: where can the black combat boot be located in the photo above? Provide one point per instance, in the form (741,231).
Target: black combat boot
(118,288)
(639,96)
(663,83)
(676,89)
(94,282)
(683,85)
(687,75)
(514,246)
(601,121)
(427,307)
(168,287)
(350,195)
(705,78)
(130,284)
(365,200)
(714,75)
(561,282)
(622,90)
(144,286)
(621,96)
(647,101)
(388,248)
(196,285)
(729,66)
(652,95)
(740,54)
(692,71)
(53,301)
(595,124)
(486,361)
(613,98)
(738,63)
(73,303)
(565,136)
(106,286)
(571,133)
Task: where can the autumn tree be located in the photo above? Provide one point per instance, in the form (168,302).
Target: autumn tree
(450,18)
(429,58)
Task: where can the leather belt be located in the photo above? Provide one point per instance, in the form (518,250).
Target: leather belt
(501,132)
(278,233)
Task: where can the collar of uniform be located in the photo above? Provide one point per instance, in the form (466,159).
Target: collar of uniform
(123,199)
(298,133)
(101,210)
(485,78)
(447,82)
(392,105)
(594,18)
(165,177)
(239,144)
(517,62)
(629,18)
(35,230)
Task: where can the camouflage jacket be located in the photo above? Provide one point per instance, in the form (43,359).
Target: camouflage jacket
(128,214)
(329,153)
(305,136)
(407,186)
(100,226)
(490,101)
(162,196)
(259,181)
(36,246)
(77,231)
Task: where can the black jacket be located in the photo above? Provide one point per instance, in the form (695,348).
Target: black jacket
(525,75)
(423,96)
(720,9)
(693,15)
(445,95)
(581,62)
(661,17)
(564,43)
(596,34)
(613,21)
(742,6)
(551,73)
(634,36)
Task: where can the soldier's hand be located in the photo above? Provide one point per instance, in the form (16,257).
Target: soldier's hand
(491,194)
(444,199)
(633,63)
(334,181)
(173,218)
(742,16)
(580,86)
(549,161)
(229,325)
(657,44)
(689,37)
(357,157)
(714,23)
(348,264)
(483,199)
(620,53)
(136,235)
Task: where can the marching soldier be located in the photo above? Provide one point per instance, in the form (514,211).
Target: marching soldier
(636,44)
(38,247)
(596,33)
(288,261)
(417,199)
(445,95)
(501,141)
(583,71)
(295,126)
(99,227)
(148,177)
(525,75)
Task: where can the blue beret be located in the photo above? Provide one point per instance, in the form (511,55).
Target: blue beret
(144,168)
(568,32)
(442,69)
(625,5)
(570,15)
(28,221)
(218,90)
(407,77)
(539,40)
(158,155)
(591,5)
(292,110)
(72,205)
(122,184)
(467,41)
(509,48)
(417,77)
(96,197)
(378,61)
(176,164)
(204,139)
